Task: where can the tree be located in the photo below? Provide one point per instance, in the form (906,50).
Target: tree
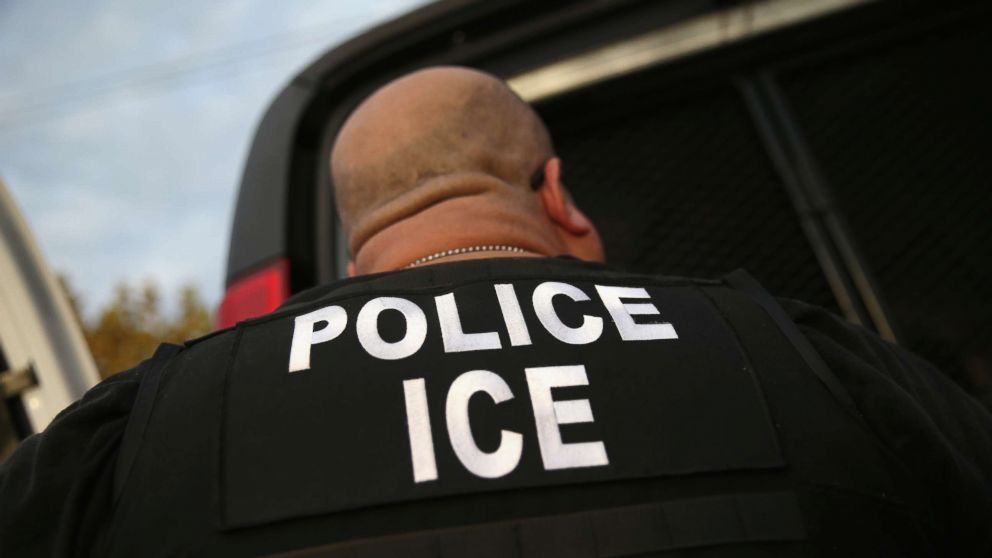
(132,325)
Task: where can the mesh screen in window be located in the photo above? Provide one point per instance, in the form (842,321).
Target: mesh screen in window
(683,187)
(903,136)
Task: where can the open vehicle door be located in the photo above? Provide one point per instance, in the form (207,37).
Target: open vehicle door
(836,149)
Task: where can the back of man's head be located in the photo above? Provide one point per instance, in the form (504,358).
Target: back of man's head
(431,136)
(428,125)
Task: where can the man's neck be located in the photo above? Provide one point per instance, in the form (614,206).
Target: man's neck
(459,226)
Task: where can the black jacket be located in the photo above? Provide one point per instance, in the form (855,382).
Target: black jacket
(524,407)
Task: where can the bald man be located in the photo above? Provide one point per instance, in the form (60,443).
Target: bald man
(483,386)
(450,159)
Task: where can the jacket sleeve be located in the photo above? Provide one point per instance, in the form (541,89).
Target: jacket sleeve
(940,433)
(871,367)
(55,489)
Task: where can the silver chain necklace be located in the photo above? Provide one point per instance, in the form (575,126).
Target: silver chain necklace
(466,250)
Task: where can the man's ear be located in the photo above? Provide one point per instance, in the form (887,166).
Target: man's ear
(351,268)
(558,204)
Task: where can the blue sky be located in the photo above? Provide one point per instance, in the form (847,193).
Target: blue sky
(124,125)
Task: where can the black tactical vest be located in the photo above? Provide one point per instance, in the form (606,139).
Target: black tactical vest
(510,408)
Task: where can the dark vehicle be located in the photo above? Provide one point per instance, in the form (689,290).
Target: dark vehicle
(837,149)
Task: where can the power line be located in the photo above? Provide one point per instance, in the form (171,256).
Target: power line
(10,126)
(51,103)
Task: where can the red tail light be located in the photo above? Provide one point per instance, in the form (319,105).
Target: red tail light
(254,294)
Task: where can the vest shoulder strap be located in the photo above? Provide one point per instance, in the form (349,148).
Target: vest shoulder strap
(742,281)
(141,412)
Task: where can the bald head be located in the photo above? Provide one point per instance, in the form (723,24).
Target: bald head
(430,136)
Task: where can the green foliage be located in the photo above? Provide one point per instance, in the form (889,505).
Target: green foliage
(129,328)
